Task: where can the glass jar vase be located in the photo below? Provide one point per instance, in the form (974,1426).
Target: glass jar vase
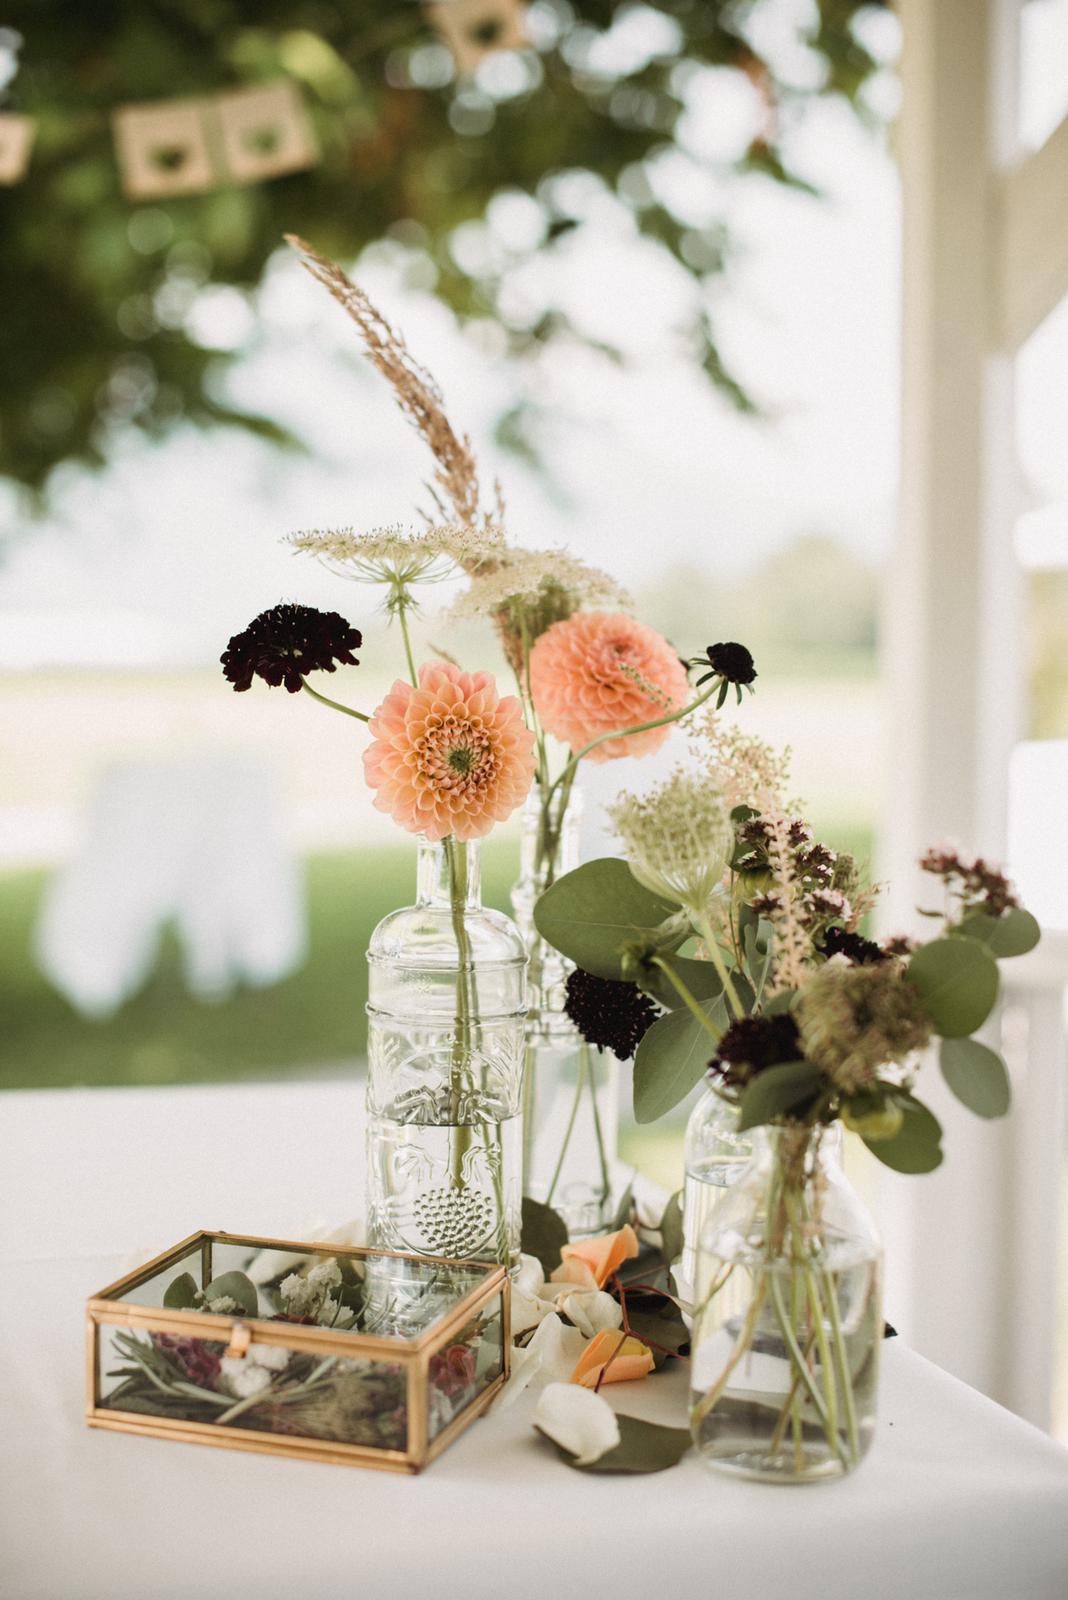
(788,1318)
(446,1014)
(715,1155)
(570,1094)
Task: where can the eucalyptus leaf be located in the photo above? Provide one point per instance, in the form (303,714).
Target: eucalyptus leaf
(699,977)
(543,1233)
(671,1229)
(779,1003)
(181,1294)
(672,1059)
(1014,933)
(625,1209)
(757,955)
(642,1447)
(591,913)
(958,981)
(917,1145)
(776,1091)
(235,1286)
(657,1320)
(977,1076)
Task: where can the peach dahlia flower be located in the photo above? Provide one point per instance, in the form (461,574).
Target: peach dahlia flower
(597,673)
(450,757)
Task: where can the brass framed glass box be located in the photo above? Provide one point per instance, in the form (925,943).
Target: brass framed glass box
(326,1351)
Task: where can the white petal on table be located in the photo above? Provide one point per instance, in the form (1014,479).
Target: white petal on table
(578,1420)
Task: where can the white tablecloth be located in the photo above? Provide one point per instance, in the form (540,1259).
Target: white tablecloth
(957,1499)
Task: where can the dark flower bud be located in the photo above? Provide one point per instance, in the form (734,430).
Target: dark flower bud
(729,662)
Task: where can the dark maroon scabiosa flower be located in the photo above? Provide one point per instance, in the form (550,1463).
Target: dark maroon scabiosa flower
(729,662)
(611,1014)
(860,951)
(198,1359)
(751,1045)
(284,644)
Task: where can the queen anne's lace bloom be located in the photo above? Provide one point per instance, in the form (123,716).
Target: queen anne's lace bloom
(451,756)
(599,673)
(677,838)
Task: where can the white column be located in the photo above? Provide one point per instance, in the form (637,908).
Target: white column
(952,631)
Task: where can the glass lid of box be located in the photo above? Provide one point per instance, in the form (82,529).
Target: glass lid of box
(343,1288)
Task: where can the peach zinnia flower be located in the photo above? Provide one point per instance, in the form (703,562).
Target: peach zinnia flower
(450,757)
(597,673)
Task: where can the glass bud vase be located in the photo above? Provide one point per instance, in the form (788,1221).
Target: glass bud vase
(570,1095)
(446,1015)
(715,1156)
(788,1318)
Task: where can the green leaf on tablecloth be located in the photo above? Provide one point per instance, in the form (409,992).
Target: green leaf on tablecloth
(591,913)
(1014,933)
(544,1233)
(977,1076)
(657,1321)
(958,980)
(699,977)
(235,1286)
(671,1229)
(181,1294)
(642,1447)
(776,1091)
(917,1145)
(672,1058)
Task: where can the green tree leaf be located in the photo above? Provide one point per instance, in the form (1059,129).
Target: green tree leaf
(181,1293)
(543,1233)
(958,981)
(776,1091)
(235,1286)
(1014,933)
(977,1076)
(917,1145)
(642,1447)
(591,913)
(672,1058)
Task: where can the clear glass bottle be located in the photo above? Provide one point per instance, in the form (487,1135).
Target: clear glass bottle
(570,1095)
(446,1014)
(715,1156)
(788,1319)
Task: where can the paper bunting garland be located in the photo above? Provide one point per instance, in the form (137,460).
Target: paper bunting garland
(474,29)
(264,132)
(170,147)
(163,149)
(16,137)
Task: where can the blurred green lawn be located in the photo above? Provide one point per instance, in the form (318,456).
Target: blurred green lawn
(308,1023)
(164,1035)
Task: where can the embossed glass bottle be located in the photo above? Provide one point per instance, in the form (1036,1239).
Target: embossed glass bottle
(570,1089)
(446,1014)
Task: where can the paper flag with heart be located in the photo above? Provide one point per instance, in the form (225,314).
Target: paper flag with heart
(265,132)
(474,29)
(163,148)
(16,137)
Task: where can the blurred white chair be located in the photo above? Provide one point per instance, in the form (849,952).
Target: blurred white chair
(195,840)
